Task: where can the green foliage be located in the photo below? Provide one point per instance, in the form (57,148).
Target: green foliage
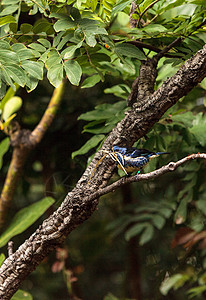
(129,50)
(4,146)
(175,281)
(25,218)
(93,142)
(90,43)
(2,258)
(142,221)
(22,295)
(67,37)
(103,119)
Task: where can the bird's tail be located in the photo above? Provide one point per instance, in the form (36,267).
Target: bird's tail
(159,153)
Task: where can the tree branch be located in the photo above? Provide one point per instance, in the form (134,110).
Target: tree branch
(78,206)
(23,142)
(145,10)
(167,48)
(133,10)
(172,166)
(142,45)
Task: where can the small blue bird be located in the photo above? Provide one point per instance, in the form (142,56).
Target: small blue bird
(132,159)
(129,159)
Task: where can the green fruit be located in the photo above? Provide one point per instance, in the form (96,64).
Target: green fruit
(11,106)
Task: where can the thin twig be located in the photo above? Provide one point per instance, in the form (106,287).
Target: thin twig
(161,52)
(167,48)
(172,166)
(145,10)
(10,248)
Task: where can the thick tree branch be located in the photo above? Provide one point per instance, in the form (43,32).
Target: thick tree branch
(78,206)
(23,142)
(133,10)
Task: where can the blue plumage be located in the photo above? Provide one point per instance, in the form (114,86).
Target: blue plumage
(132,159)
(128,159)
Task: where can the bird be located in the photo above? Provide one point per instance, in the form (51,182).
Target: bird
(129,159)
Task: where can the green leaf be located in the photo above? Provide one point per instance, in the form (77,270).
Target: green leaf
(22,295)
(25,218)
(120,90)
(185,118)
(34,68)
(31,83)
(4,146)
(147,235)
(7,57)
(95,30)
(90,40)
(110,297)
(90,81)
(64,40)
(53,59)
(4,45)
(22,51)
(181,212)
(201,205)
(158,221)
(13,27)
(102,128)
(104,111)
(10,93)
(171,5)
(9,10)
(64,24)
(200,133)
(73,71)
(196,291)
(121,6)
(151,28)
(171,282)
(11,106)
(6,20)
(74,12)
(135,230)
(57,39)
(43,25)
(37,47)
(2,258)
(44,56)
(166,212)
(44,42)
(93,142)
(26,28)
(129,50)
(16,73)
(55,74)
(7,78)
(69,51)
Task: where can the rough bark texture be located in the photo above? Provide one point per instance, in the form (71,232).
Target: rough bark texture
(77,206)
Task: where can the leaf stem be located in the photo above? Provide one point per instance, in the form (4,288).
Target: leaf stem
(145,10)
